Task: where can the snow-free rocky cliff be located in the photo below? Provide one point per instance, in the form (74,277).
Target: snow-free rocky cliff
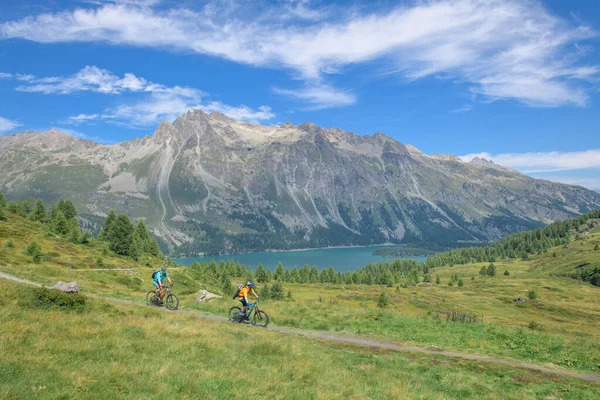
(210,183)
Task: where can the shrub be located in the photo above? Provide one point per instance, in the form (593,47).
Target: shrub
(47,298)
(35,251)
(384,300)
(2,216)
(554,254)
(10,244)
(289,294)
(100,262)
(265,292)
(535,326)
(596,247)
(461,283)
(437,280)
(506,273)
(277,292)
(491,270)
(532,295)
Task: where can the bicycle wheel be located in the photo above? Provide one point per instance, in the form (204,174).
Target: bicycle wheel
(261,319)
(172,301)
(234,314)
(150,298)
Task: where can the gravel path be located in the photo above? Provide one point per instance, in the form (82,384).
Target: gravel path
(365,342)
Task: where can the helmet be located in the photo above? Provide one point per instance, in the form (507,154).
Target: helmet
(163,268)
(250,284)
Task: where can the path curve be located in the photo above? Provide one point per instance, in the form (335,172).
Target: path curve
(362,341)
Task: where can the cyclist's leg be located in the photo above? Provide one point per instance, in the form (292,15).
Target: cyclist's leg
(157,292)
(244,305)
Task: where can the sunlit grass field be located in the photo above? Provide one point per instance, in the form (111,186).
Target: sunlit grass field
(108,351)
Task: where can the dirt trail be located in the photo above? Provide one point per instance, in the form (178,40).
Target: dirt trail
(365,342)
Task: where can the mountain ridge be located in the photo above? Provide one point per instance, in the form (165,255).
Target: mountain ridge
(207,178)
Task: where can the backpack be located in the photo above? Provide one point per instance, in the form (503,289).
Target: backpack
(237,292)
(154,273)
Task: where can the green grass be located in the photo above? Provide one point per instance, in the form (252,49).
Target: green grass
(187,358)
(107,351)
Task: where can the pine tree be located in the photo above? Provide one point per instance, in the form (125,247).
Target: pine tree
(279,272)
(2,215)
(384,300)
(294,275)
(261,274)
(437,280)
(596,247)
(265,292)
(68,209)
(277,292)
(304,274)
(314,275)
(75,236)
(461,283)
(142,235)
(120,235)
(226,285)
(387,278)
(491,270)
(28,206)
(60,224)
(39,213)
(153,248)
(289,294)
(35,251)
(269,276)
(85,238)
(137,247)
(2,200)
(105,231)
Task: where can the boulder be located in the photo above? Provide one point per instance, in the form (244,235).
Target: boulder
(206,296)
(67,287)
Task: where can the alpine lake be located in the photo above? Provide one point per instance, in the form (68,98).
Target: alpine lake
(342,259)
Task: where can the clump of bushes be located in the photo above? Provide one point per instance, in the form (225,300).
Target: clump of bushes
(535,326)
(52,298)
(35,251)
(384,300)
(531,294)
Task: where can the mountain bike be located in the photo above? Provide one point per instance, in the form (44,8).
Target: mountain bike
(260,317)
(171,301)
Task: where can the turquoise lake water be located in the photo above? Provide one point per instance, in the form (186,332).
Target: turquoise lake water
(343,259)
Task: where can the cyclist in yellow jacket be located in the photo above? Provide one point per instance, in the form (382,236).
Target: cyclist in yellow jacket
(243,295)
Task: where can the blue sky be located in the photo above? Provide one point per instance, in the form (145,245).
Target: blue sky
(516,81)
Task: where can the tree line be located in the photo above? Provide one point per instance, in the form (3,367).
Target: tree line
(518,245)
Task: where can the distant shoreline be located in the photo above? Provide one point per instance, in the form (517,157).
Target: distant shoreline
(293,250)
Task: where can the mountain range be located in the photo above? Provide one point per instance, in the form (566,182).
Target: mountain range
(207,183)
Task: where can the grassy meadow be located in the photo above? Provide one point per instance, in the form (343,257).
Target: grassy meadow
(109,350)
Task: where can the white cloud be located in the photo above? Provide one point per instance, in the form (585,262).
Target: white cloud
(319,96)
(6,125)
(592,182)
(4,75)
(90,78)
(156,102)
(81,118)
(506,49)
(554,161)
(241,112)
(463,109)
